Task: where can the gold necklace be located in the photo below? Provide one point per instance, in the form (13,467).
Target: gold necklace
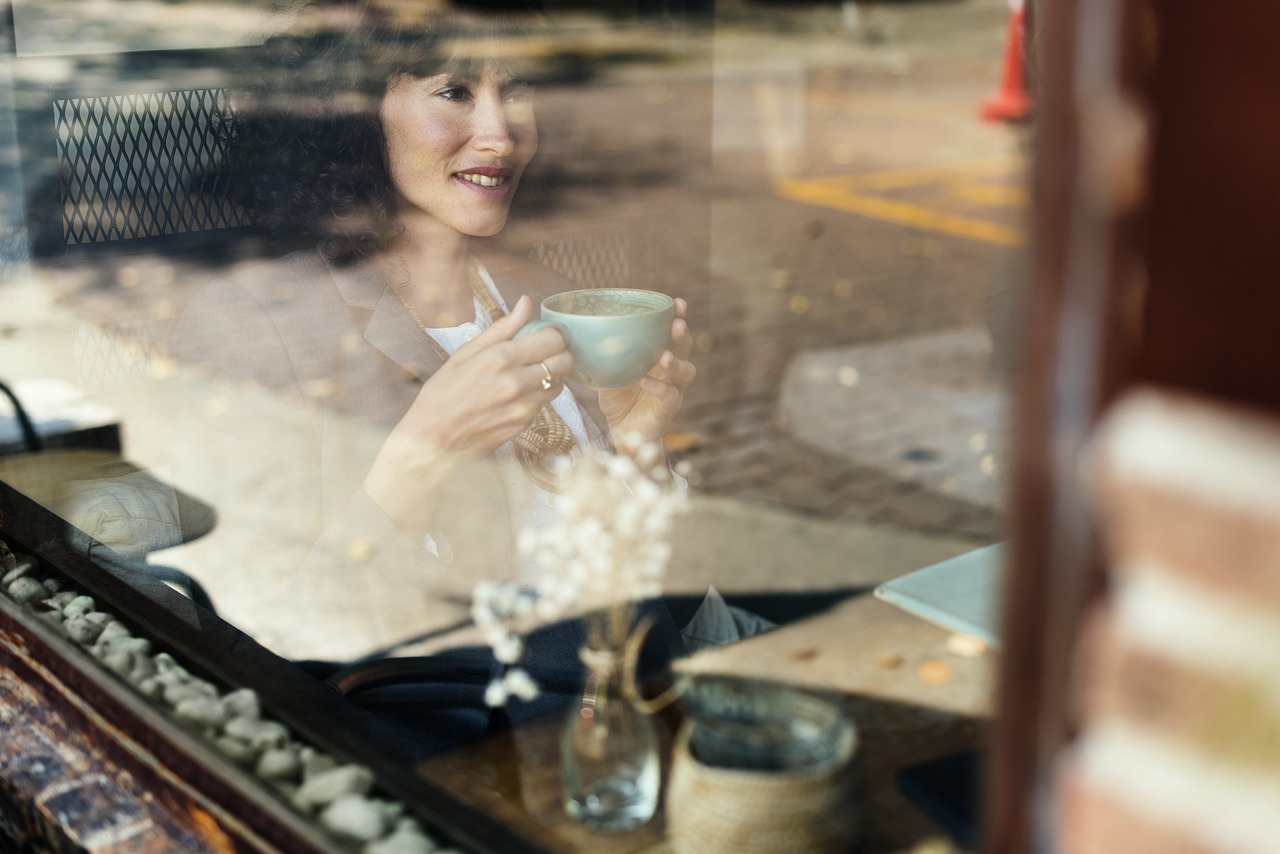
(548,434)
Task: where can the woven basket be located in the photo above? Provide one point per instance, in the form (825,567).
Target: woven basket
(711,810)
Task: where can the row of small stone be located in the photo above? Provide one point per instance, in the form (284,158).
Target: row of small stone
(336,795)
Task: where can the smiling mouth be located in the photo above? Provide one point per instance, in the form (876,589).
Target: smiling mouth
(483,180)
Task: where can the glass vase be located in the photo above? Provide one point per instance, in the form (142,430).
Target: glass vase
(609,747)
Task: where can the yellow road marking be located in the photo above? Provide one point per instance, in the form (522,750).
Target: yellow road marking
(902,213)
(856,194)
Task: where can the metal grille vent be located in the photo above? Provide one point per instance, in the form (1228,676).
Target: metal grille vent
(141,166)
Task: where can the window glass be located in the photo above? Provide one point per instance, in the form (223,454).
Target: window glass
(261,255)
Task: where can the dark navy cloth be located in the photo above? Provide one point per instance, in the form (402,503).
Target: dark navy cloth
(435,703)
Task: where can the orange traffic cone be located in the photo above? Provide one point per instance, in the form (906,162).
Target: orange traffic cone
(1012,102)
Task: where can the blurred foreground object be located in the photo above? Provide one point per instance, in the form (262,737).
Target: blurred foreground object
(1178,659)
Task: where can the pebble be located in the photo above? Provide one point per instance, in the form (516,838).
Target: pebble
(393,810)
(279,763)
(205,712)
(82,630)
(166,664)
(143,668)
(188,688)
(261,734)
(151,687)
(242,703)
(237,750)
(65,598)
(233,722)
(407,824)
(22,570)
(120,661)
(314,762)
(27,590)
(324,787)
(354,817)
(110,631)
(109,643)
(78,605)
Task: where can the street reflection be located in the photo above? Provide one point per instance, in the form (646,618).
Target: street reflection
(816,184)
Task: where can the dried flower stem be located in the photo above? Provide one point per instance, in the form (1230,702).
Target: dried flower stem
(608,550)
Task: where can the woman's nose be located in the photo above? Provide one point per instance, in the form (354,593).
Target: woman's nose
(493,127)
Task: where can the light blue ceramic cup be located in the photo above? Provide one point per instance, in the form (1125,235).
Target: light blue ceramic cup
(615,334)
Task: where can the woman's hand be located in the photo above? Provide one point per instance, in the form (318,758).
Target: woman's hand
(490,389)
(648,406)
(485,394)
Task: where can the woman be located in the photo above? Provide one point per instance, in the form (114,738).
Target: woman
(383,147)
(399,193)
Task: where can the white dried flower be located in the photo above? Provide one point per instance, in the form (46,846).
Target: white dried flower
(508,649)
(647,491)
(549,609)
(481,613)
(610,544)
(496,694)
(504,599)
(647,457)
(620,467)
(518,683)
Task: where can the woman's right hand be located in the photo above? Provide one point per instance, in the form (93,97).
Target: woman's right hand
(484,395)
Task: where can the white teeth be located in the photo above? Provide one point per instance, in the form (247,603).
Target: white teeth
(482,180)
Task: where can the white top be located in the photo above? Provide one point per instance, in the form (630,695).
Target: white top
(530,504)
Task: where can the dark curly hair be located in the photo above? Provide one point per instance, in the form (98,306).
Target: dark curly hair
(306,154)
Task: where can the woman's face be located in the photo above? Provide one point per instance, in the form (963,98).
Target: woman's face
(457,145)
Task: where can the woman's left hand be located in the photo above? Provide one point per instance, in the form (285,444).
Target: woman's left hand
(647,406)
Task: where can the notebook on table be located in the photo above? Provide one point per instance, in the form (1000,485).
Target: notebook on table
(960,594)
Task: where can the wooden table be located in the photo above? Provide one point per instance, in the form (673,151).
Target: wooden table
(914,694)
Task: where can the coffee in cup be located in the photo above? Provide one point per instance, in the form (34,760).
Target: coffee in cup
(615,334)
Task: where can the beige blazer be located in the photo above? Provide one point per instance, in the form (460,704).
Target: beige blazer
(342,352)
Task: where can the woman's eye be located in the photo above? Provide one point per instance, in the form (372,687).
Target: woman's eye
(454,93)
(519,95)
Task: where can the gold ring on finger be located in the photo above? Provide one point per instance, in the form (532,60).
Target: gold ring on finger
(549,380)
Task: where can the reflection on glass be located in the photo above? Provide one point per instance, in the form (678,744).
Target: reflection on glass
(292,270)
